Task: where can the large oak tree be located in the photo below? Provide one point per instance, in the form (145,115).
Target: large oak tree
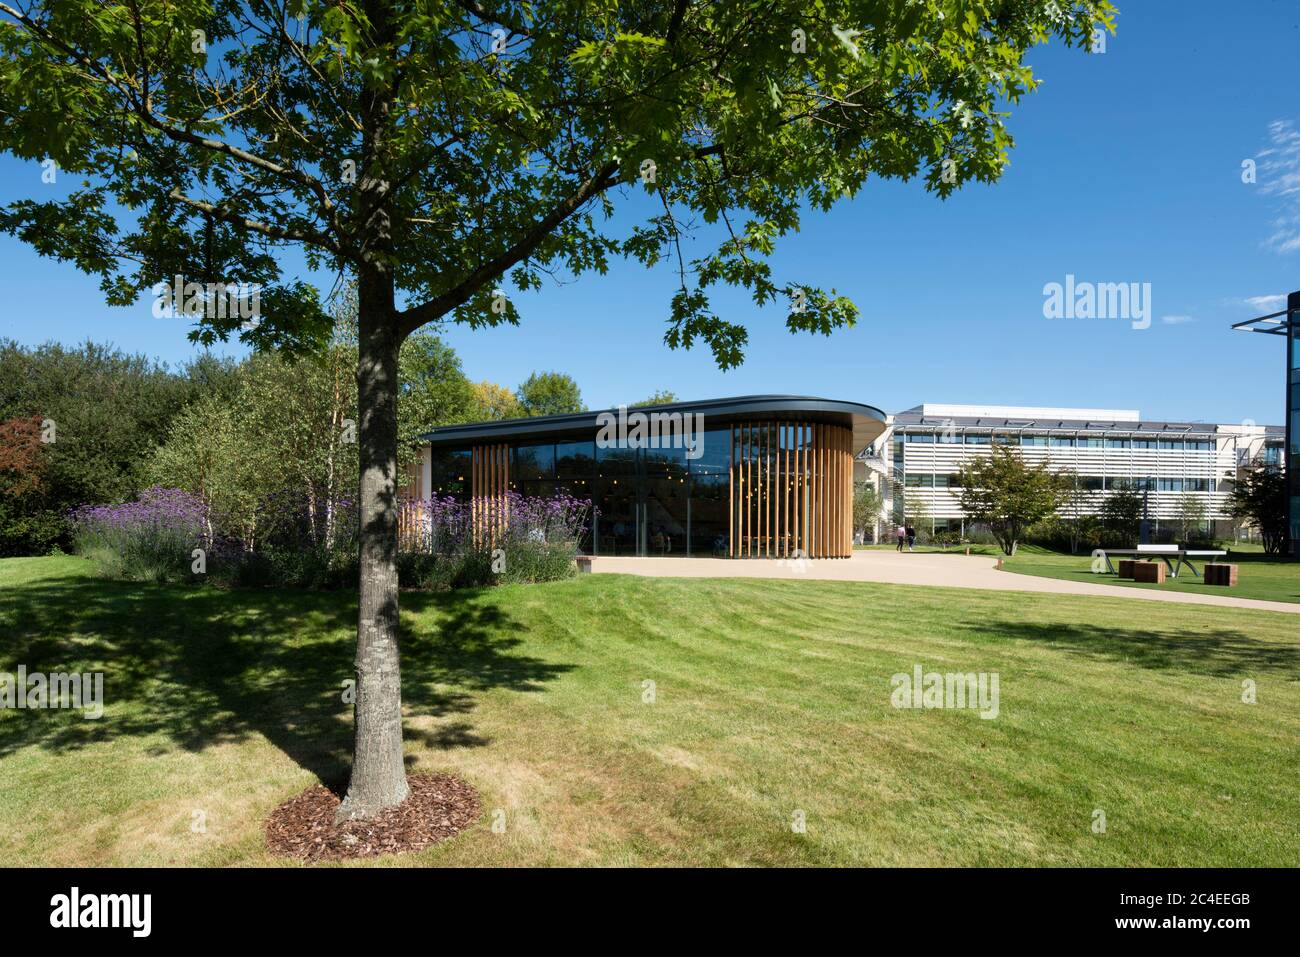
(444,153)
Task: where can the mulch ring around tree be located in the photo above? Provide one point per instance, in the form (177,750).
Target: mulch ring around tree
(438,807)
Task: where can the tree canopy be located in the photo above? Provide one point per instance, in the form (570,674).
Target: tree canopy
(658,397)
(1004,492)
(491,139)
(441,152)
(549,393)
(1259,499)
(493,401)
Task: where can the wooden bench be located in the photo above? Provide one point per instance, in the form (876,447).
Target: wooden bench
(1221,574)
(1151,572)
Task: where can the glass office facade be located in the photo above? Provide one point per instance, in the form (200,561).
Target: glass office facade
(1293,419)
(647,501)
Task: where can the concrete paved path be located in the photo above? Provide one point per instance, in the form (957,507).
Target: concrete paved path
(915,568)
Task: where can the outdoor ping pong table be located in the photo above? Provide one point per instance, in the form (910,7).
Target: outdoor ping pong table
(1173,556)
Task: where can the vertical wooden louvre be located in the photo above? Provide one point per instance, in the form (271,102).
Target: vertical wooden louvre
(731,495)
(489,480)
(791,490)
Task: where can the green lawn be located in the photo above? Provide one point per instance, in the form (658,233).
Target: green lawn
(771,697)
(1258,576)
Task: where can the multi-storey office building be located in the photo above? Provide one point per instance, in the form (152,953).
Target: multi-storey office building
(920,455)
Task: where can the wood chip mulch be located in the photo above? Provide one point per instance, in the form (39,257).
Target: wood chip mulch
(438,807)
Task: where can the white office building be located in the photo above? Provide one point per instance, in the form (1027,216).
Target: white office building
(917,458)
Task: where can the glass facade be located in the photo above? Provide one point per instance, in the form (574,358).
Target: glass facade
(1293,418)
(648,501)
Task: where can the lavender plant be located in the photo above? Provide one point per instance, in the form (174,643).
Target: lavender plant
(535,539)
(150,539)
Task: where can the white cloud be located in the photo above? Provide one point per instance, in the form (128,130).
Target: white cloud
(1266,303)
(1176,320)
(1279,175)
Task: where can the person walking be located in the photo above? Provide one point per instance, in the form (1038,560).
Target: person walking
(902,537)
(911,537)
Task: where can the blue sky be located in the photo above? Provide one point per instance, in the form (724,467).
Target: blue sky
(1128,168)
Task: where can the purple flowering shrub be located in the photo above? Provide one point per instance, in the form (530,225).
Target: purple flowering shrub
(301,546)
(530,539)
(303,540)
(151,539)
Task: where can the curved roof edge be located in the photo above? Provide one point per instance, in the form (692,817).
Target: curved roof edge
(867,421)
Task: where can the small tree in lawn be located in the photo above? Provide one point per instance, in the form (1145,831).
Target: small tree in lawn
(1075,508)
(1259,499)
(1001,491)
(917,515)
(867,504)
(442,152)
(1190,515)
(1121,515)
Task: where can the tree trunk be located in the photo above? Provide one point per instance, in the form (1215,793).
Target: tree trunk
(378,773)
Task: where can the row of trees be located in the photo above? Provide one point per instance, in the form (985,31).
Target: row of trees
(542,393)
(91,425)
(80,425)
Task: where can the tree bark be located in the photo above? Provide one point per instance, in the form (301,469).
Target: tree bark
(378,773)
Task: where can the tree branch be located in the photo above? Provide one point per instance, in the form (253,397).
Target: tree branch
(679,12)
(144,112)
(487,16)
(411,319)
(274,232)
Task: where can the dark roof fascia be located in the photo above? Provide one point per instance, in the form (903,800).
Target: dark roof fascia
(790,406)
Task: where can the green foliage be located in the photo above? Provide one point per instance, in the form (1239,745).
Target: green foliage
(209,453)
(288,429)
(549,393)
(434,391)
(867,504)
(1121,517)
(492,402)
(457,145)
(1191,517)
(658,397)
(1074,523)
(1008,495)
(109,412)
(319,567)
(1260,499)
(526,562)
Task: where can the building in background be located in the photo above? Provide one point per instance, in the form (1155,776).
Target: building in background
(1286,323)
(767,476)
(917,459)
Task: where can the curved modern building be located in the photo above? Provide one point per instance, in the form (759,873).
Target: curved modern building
(761,476)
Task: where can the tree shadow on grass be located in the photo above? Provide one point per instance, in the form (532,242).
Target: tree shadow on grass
(203,667)
(1216,653)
